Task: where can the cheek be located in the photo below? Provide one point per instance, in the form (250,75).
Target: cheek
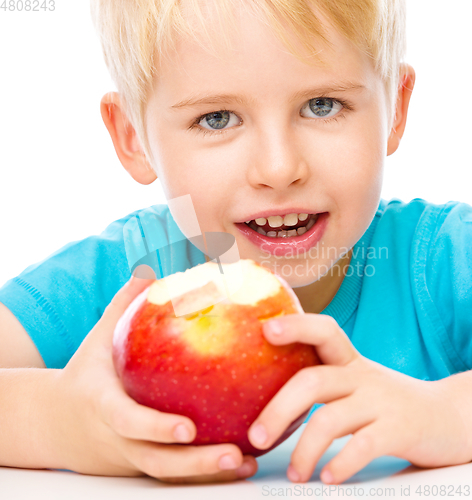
(184,170)
(354,177)
(371,161)
(180,171)
(356,170)
(188,163)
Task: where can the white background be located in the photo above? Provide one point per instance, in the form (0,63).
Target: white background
(60,179)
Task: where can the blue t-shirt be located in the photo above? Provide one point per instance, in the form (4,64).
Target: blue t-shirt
(406,301)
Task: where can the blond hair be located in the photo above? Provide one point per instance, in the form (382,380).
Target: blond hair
(136,35)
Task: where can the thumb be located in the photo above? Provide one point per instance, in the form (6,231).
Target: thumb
(99,340)
(123,299)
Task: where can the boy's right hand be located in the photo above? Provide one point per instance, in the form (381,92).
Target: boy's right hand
(103,431)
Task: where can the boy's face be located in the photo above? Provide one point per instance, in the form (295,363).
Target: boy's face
(275,151)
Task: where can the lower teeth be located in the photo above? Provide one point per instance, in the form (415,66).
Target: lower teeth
(290,233)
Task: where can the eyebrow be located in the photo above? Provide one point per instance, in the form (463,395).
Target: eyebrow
(226,98)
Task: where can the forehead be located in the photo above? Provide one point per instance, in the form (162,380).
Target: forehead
(255,56)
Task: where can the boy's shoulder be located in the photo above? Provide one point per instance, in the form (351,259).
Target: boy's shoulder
(431,265)
(421,219)
(417,207)
(425,237)
(415,287)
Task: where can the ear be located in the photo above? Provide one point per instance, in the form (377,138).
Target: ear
(125,139)
(405,88)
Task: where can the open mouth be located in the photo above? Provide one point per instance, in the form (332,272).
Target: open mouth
(288,227)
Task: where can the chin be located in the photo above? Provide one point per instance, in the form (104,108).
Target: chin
(297,272)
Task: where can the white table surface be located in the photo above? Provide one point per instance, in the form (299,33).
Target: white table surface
(389,476)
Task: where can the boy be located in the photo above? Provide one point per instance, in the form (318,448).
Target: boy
(294,125)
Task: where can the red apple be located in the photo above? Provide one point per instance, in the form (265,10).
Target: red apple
(192,344)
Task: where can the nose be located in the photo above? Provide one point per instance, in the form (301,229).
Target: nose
(277,160)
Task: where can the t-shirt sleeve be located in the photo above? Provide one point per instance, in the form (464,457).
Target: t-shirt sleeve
(449,279)
(60,299)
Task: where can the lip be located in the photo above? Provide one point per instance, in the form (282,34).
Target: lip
(286,211)
(281,247)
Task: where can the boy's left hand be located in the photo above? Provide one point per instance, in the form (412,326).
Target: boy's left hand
(387,412)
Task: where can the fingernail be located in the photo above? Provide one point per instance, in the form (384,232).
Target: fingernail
(326,477)
(258,434)
(292,474)
(181,433)
(245,470)
(227,462)
(274,327)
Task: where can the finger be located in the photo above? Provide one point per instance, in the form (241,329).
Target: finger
(247,469)
(314,384)
(171,460)
(134,421)
(330,422)
(366,444)
(332,344)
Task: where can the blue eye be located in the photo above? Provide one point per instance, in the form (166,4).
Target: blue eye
(325,109)
(217,120)
(321,107)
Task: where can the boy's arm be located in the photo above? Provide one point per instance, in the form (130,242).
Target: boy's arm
(26,397)
(17,350)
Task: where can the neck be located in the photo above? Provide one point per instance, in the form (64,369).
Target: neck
(316,296)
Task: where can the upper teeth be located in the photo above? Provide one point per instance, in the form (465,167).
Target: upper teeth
(277,220)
